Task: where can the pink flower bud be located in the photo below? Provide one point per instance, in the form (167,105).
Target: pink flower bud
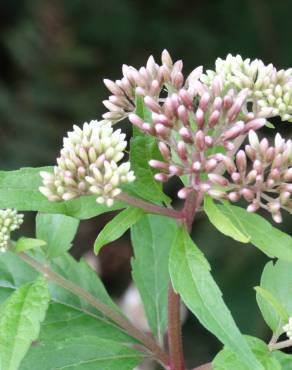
(186,97)
(136,120)
(152,104)
(183,114)
(161,130)
(200,140)
(255,124)
(251,176)
(234,131)
(155,88)
(217,179)
(284,197)
(162,177)
(182,150)
(113,87)
(275,174)
(234,196)
(184,192)
(233,112)
(200,118)
(204,102)
(211,164)
(204,187)
(214,118)
(277,162)
(140,91)
(151,66)
(236,177)
(168,108)
(251,152)
(149,129)
(186,135)
(178,80)
(166,59)
(264,145)
(164,150)
(270,154)
(217,104)
(288,175)
(229,146)
(161,118)
(247,194)
(209,141)
(277,217)
(258,166)
(174,101)
(227,101)
(196,166)
(158,164)
(253,207)
(241,161)
(175,170)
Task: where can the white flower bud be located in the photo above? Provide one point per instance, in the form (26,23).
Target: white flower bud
(9,221)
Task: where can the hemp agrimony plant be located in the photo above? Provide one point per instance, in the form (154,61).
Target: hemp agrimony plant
(203,129)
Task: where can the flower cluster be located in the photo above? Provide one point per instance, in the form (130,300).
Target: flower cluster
(88,164)
(270,90)
(9,221)
(267,183)
(288,328)
(150,80)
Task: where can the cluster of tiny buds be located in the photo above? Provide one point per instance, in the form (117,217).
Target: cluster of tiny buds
(145,81)
(88,164)
(288,328)
(270,89)
(267,183)
(10,220)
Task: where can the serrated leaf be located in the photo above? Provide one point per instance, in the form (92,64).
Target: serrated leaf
(270,240)
(58,232)
(19,189)
(20,318)
(150,266)
(224,223)
(190,275)
(277,279)
(269,303)
(83,353)
(142,150)
(24,244)
(226,360)
(117,227)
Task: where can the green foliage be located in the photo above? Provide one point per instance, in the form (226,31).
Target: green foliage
(24,244)
(223,223)
(226,359)
(117,227)
(150,266)
(20,317)
(84,353)
(65,329)
(270,240)
(57,231)
(19,189)
(284,359)
(190,275)
(277,280)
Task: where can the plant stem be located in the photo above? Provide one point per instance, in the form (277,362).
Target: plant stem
(280,345)
(123,322)
(174,331)
(150,207)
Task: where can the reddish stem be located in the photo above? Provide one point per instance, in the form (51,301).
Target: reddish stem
(207,366)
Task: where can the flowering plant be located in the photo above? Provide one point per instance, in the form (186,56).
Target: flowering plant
(192,128)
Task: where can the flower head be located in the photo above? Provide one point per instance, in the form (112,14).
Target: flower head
(270,89)
(288,328)
(88,164)
(9,221)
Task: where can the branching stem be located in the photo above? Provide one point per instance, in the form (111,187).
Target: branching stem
(280,345)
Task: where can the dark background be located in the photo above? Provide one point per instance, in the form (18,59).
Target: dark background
(53,57)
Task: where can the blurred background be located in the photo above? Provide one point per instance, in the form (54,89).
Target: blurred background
(53,57)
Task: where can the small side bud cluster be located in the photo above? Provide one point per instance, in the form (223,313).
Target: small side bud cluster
(145,81)
(267,183)
(270,89)
(10,220)
(88,164)
(288,328)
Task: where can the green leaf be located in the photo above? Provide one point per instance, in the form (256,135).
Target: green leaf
(20,318)
(57,230)
(24,244)
(142,150)
(269,304)
(117,227)
(223,223)
(150,266)
(284,359)
(14,272)
(270,125)
(277,280)
(226,359)
(19,189)
(141,110)
(190,275)
(270,240)
(84,353)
